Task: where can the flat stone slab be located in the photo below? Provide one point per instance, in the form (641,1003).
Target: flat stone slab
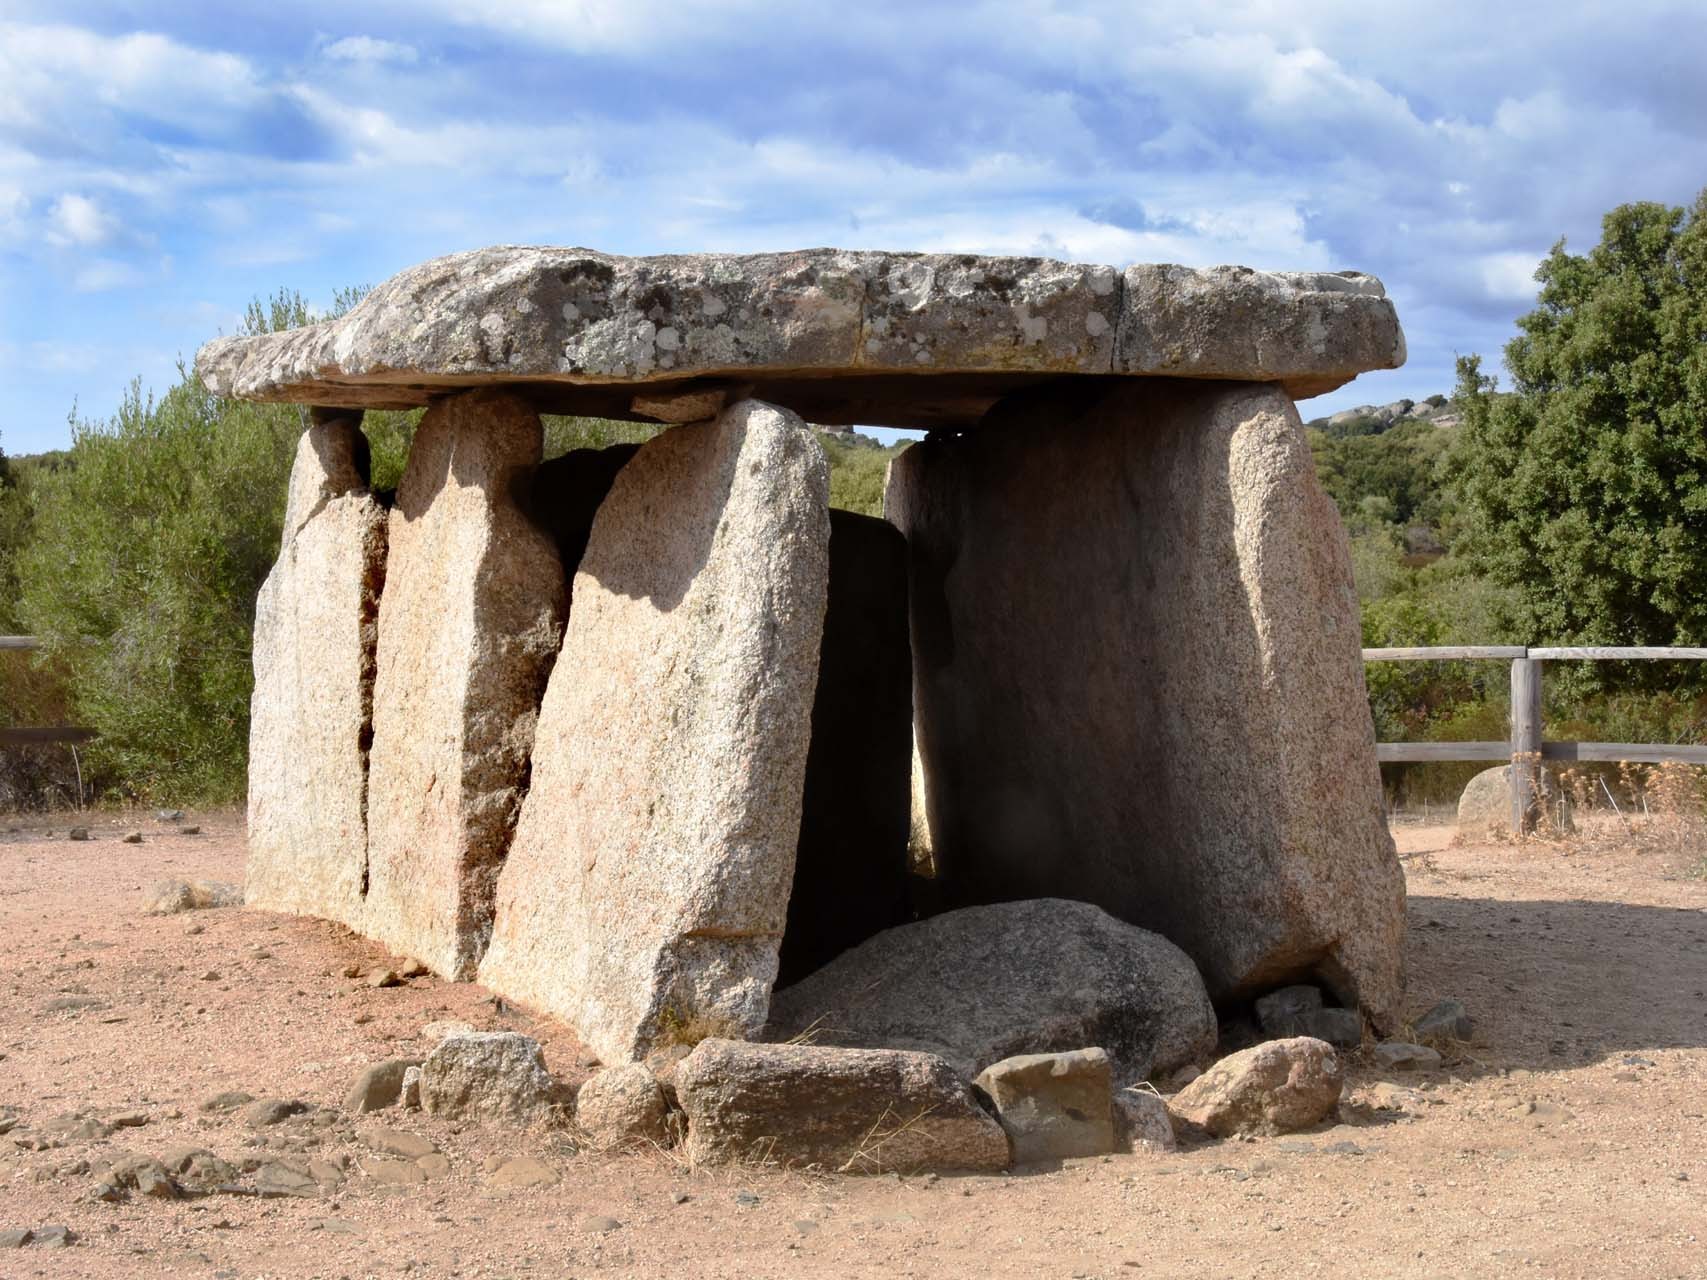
(903,339)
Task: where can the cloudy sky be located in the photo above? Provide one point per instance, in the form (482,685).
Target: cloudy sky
(162,163)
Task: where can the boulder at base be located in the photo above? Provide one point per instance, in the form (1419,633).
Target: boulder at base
(311,713)
(839,1110)
(1485,805)
(1054,1106)
(468,630)
(645,892)
(1138,682)
(986,983)
(490,1075)
(1275,1087)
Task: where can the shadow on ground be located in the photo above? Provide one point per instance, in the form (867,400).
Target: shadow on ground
(1557,984)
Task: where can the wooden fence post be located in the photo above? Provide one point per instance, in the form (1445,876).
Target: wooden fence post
(1525,773)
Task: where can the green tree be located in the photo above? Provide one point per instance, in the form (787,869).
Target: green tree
(141,572)
(1585,489)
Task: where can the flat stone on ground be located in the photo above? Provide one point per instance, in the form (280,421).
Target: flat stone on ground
(839,1110)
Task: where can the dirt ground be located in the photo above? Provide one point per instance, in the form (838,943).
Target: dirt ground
(1570,1139)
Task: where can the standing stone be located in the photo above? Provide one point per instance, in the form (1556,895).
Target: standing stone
(1138,681)
(468,631)
(311,713)
(850,876)
(647,886)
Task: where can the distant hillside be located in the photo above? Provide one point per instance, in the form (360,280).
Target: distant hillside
(1373,419)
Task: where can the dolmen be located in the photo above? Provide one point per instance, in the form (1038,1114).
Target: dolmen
(634,736)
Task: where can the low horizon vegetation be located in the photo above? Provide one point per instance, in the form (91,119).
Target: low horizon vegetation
(1571,508)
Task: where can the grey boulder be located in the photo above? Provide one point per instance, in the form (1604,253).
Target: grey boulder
(985,983)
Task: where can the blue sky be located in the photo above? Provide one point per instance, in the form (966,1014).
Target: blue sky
(162,163)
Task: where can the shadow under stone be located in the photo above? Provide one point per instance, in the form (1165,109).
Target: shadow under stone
(850,875)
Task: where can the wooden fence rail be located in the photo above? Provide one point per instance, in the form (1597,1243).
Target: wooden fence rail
(37,736)
(1527,749)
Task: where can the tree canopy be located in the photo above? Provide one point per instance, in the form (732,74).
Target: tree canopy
(1585,489)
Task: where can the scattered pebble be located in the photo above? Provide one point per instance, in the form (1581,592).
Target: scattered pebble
(132,837)
(77,833)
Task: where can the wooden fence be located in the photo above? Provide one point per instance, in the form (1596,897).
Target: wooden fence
(1526,748)
(20,737)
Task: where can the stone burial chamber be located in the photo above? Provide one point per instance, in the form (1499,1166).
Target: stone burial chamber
(635,736)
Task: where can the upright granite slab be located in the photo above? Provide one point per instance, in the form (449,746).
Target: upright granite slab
(468,629)
(646,888)
(902,339)
(311,713)
(1138,681)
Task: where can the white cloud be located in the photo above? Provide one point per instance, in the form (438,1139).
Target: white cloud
(1509,277)
(370,49)
(76,221)
(102,274)
(53,73)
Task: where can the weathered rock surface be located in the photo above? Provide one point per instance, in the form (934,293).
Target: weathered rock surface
(646,889)
(622,1106)
(850,874)
(1275,1087)
(490,1075)
(168,897)
(1218,788)
(1485,804)
(311,712)
(1446,1022)
(842,1110)
(981,984)
(1141,1122)
(379,1086)
(468,630)
(1253,326)
(1053,1106)
(1298,1011)
(934,338)
(1400,1055)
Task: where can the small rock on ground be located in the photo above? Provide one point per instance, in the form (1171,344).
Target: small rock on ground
(395,1142)
(1274,1087)
(622,1106)
(1447,1021)
(1396,1055)
(495,1075)
(1053,1106)
(521,1172)
(1141,1122)
(379,1086)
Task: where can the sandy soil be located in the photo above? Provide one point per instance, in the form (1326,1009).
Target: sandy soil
(1570,1139)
